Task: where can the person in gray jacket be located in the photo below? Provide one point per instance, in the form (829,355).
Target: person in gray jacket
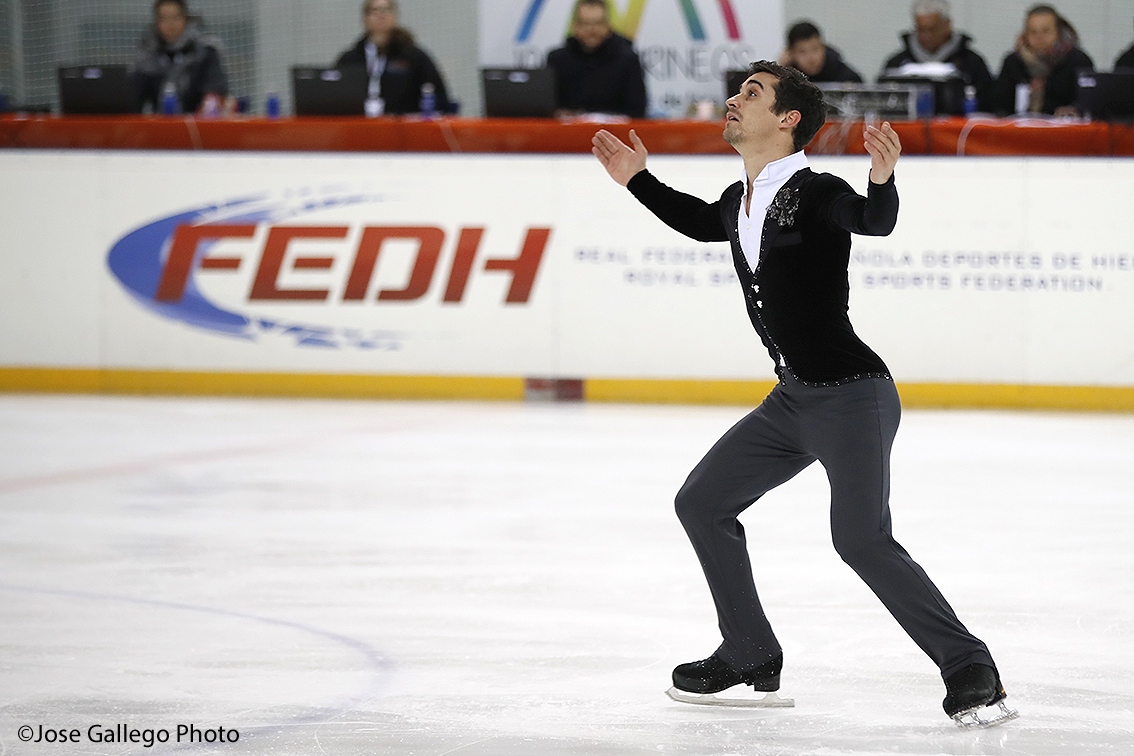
(177,54)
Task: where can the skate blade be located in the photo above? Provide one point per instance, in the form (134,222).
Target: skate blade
(971,719)
(734,697)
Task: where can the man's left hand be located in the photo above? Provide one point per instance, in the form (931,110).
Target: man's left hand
(884,147)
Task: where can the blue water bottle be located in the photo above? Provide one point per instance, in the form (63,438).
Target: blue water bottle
(170,105)
(428,101)
(970,100)
(272,107)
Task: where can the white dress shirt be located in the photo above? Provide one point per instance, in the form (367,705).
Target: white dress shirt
(751,224)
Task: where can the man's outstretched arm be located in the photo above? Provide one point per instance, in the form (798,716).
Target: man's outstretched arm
(684,213)
(877,213)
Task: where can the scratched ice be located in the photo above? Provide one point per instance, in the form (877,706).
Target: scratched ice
(506,579)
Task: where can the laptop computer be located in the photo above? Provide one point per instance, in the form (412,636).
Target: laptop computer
(321,91)
(946,82)
(519,92)
(97,90)
(1107,96)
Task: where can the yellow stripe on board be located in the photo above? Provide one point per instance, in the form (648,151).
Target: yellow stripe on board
(659,391)
(654,391)
(260,384)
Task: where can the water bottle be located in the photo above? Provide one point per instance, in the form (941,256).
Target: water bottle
(970,100)
(170,104)
(1023,98)
(272,106)
(428,101)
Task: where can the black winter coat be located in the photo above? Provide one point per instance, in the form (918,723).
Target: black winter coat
(836,70)
(967,61)
(607,79)
(1061,89)
(407,68)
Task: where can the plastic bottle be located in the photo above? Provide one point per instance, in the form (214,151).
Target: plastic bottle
(170,104)
(970,100)
(428,101)
(272,106)
(1023,98)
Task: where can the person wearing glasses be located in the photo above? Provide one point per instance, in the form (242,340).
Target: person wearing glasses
(400,71)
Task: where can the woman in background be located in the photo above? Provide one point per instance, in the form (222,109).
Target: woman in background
(1047,60)
(398,67)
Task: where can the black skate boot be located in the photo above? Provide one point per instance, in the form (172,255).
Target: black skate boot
(972,689)
(698,682)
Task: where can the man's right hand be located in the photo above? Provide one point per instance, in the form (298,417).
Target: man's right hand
(621,161)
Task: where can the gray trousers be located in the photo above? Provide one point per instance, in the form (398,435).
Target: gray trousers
(850,430)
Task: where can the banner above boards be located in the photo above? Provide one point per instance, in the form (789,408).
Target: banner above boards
(537,266)
(686,46)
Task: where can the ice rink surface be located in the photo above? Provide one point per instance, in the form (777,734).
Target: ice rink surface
(505,579)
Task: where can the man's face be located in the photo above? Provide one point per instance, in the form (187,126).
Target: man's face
(590,26)
(750,117)
(380,18)
(809,55)
(1041,31)
(170,21)
(933,31)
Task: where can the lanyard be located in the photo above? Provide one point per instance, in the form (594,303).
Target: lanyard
(376,66)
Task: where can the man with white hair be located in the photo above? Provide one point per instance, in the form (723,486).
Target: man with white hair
(933,40)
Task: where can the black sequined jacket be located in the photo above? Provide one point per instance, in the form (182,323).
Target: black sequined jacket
(798,295)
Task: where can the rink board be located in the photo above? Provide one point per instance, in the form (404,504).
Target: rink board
(1006,282)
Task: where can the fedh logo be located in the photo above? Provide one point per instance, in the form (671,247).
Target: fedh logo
(160,263)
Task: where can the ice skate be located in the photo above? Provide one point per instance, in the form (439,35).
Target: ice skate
(712,682)
(975,698)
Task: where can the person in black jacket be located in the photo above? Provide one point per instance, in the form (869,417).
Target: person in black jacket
(398,67)
(790,232)
(1047,62)
(807,52)
(934,40)
(597,71)
(177,54)
(1125,60)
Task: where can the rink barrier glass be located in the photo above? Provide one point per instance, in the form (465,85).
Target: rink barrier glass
(650,391)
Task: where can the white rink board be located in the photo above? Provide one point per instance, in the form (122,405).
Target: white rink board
(1011,271)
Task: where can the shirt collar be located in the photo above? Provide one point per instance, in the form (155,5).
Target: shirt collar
(778,171)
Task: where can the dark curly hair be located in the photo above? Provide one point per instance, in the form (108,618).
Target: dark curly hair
(794,91)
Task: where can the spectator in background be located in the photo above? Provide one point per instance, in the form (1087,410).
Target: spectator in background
(1125,60)
(1047,61)
(933,40)
(178,56)
(807,52)
(398,67)
(597,70)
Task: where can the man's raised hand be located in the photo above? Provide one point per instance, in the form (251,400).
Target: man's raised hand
(884,147)
(620,160)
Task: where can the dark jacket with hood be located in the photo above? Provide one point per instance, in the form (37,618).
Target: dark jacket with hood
(836,70)
(607,79)
(192,64)
(407,68)
(957,51)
